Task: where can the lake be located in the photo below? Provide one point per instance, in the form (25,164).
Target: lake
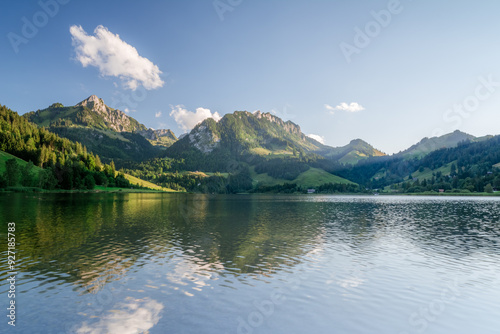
(187,263)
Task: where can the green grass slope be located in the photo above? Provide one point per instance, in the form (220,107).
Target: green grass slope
(313,177)
(136,181)
(6,156)
(427,173)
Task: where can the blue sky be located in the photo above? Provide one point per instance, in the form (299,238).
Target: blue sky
(418,69)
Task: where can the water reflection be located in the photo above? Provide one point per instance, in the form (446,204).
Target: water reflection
(91,240)
(116,261)
(130,317)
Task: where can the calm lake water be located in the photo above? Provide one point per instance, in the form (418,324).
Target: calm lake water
(179,263)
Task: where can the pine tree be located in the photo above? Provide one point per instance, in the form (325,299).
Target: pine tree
(98,163)
(113,168)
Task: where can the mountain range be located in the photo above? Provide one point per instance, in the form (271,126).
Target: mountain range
(242,151)
(113,134)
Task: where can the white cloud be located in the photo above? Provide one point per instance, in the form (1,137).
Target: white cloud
(187,120)
(352,107)
(158,114)
(115,58)
(330,108)
(318,138)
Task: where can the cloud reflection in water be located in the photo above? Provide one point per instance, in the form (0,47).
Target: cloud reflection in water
(131,317)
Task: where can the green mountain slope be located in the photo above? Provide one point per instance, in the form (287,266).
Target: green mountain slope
(105,131)
(313,177)
(66,164)
(428,145)
(91,113)
(4,156)
(470,166)
(353,152)
(214,146)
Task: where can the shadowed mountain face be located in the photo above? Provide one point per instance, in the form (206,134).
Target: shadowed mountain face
(108,132)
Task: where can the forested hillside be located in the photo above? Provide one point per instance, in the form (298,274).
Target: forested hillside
(66,165)
(470,166)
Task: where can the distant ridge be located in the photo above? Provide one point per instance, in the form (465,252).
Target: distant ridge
(427,145)
(353,152)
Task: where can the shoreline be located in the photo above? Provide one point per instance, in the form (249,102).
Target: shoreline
(28,190)
(82,191)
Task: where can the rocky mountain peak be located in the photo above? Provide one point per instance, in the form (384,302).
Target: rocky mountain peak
(165,133)
(203,138)
(94,103)
(114,119)
(289,126)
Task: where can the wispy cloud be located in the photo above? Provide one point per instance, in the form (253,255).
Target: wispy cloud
(114,58)
(352,107)
(186,120)
(158,114)
(318,138)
